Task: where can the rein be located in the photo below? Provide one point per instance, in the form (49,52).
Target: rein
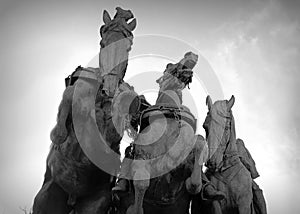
(229,158)
(171,201)
(115,28)
(167,112)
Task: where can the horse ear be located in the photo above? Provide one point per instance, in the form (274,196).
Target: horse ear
(208,102)
(132,25)
(231,102)
(106,17)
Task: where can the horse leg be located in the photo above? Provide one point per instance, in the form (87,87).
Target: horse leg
(51,199)
(194,183)
(244,203)
(141,183)
(242,188)
(216,207)
(140,187)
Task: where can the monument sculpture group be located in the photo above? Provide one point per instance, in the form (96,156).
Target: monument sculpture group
(162,171)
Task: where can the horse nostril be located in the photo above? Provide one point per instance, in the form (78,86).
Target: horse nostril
(105,92)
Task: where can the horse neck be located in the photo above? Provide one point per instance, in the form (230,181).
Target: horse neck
(226,151)
(103,111)
(114,52)
(231,148)
(171,97)
(71,148)
(113,60)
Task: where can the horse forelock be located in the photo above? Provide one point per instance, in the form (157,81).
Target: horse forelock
(216,129)
(108,30)
(170,82)
(224,112)
(221,108)
(232,140)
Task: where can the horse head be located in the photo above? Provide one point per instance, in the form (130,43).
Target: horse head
(126,108)
(220,131)
(175,78)
(115,45)
(117,28)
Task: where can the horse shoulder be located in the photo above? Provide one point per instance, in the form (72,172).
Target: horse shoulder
(68,94)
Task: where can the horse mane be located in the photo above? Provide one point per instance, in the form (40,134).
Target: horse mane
(232,147)
(222,110)
(219,118)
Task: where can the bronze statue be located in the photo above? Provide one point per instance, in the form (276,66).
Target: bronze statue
(115,44)
(165,184)
(72,181)
(162,171)
(225,168)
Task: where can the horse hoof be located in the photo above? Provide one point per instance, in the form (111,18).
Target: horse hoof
(130,210)
(192,188)
(133,210)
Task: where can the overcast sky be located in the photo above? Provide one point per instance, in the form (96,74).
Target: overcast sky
(251,46)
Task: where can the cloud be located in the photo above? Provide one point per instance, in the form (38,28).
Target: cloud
(257,59)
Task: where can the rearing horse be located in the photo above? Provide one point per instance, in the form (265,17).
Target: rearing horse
(167,154)
(72,181)
(225,170)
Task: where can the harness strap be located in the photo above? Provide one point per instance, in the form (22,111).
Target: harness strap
(160,112)
(170,201)
(228,174)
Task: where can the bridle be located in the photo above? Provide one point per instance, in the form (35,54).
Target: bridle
(222,147)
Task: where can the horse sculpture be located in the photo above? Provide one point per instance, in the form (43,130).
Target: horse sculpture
(72,181)
(224,167)
(167,155)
